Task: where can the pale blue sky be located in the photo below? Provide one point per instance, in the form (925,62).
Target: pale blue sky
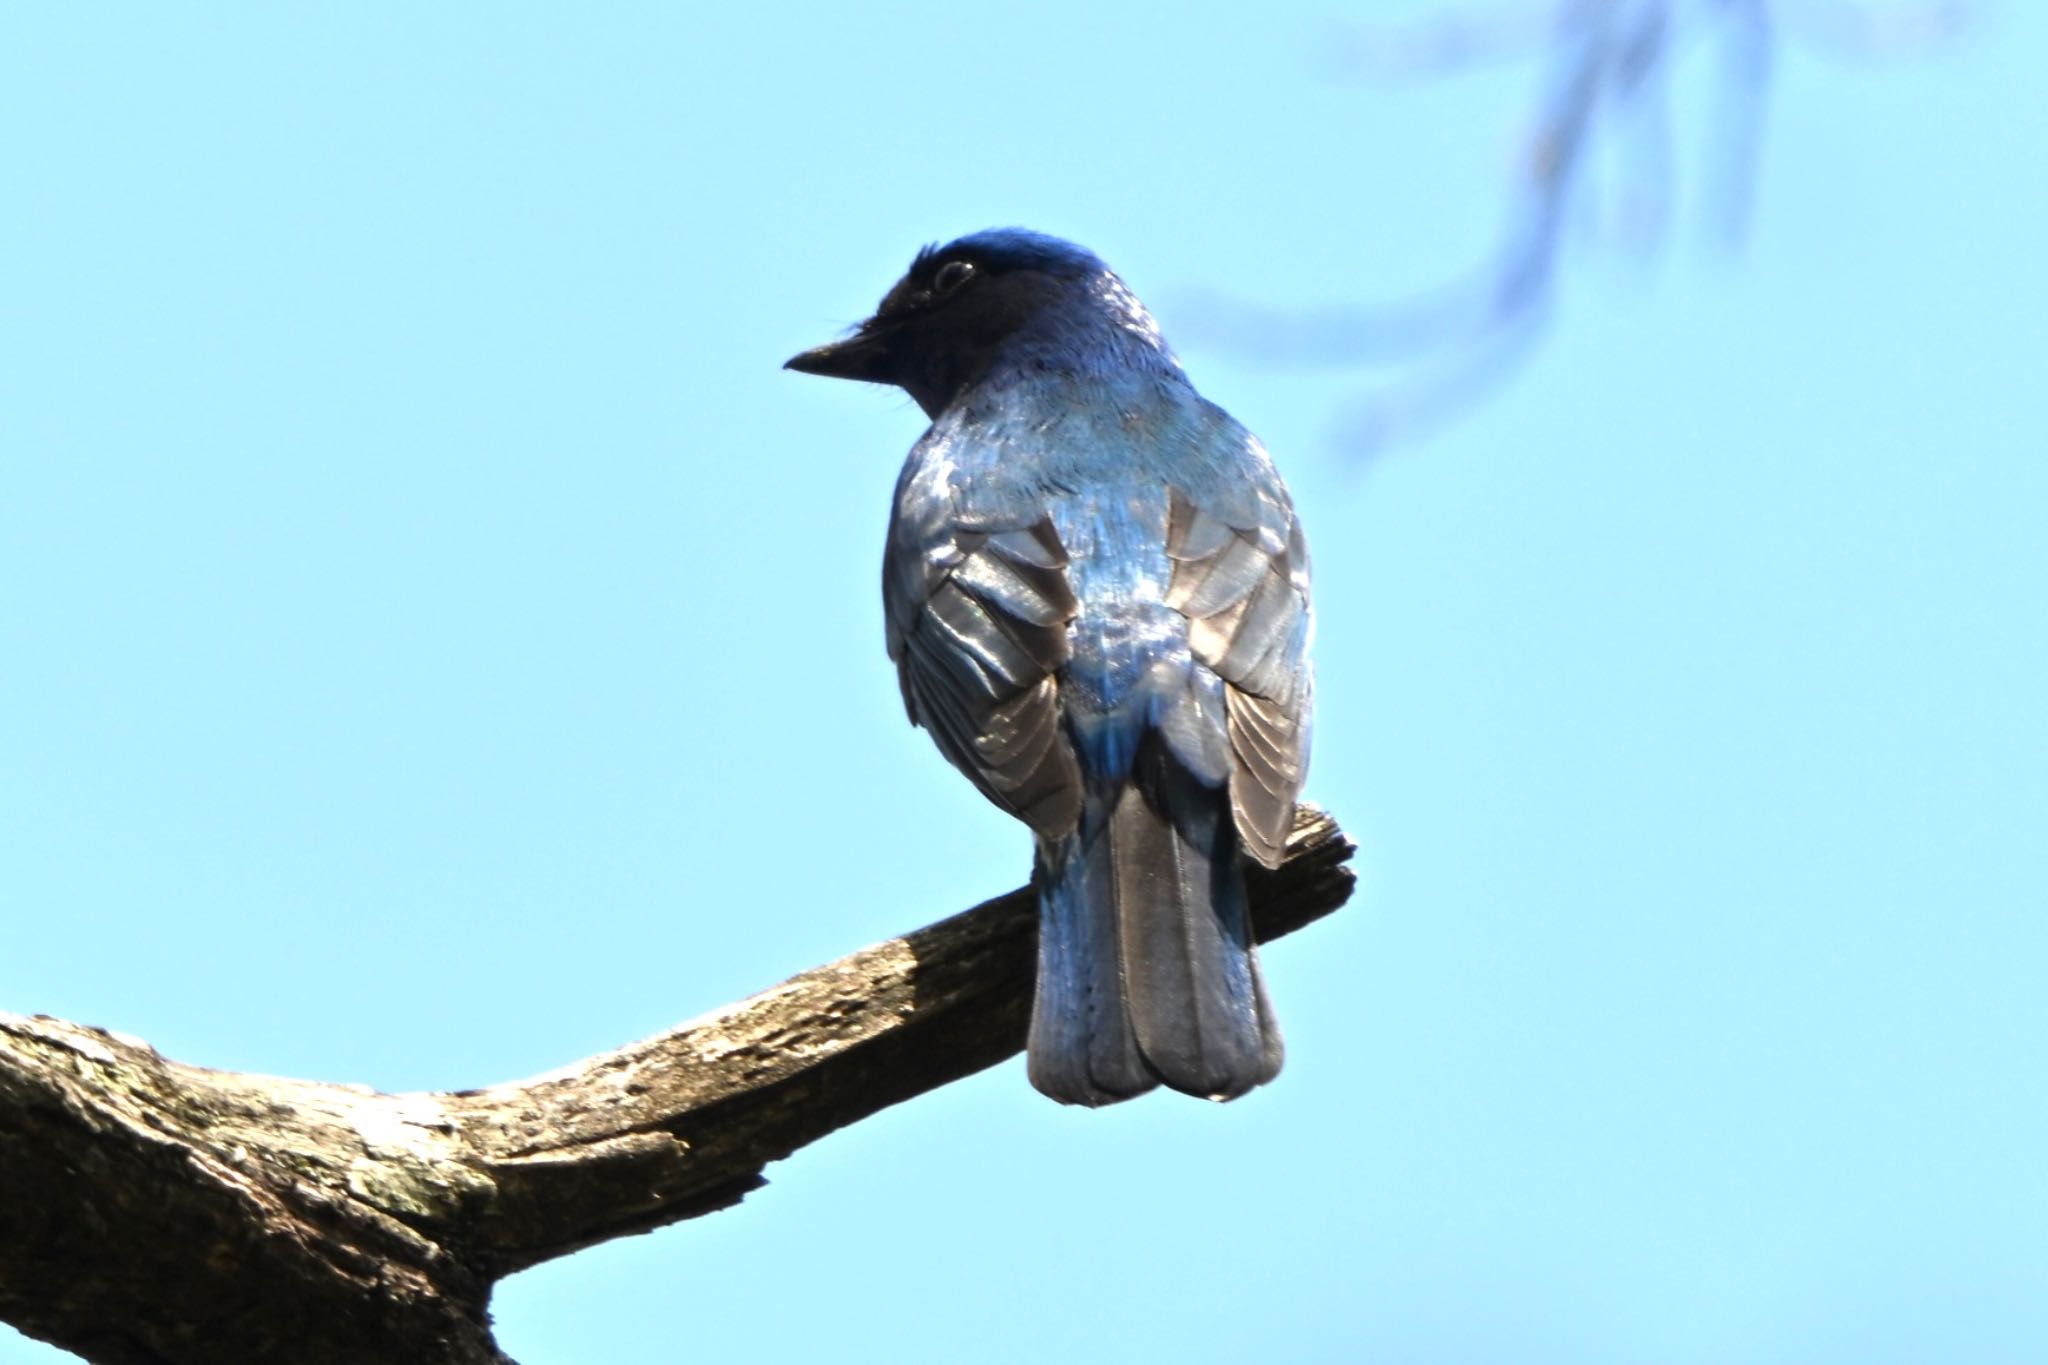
(401,508)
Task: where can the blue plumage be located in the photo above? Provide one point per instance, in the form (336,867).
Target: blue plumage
(1097,599)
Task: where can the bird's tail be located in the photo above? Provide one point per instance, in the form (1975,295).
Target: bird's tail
(1146,972)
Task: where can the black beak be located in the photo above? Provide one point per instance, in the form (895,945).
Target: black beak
(864,356)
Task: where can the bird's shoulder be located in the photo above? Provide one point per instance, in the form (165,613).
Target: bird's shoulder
(1010,448)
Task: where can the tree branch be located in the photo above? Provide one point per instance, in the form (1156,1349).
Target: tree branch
(155,1212)
(1607,63)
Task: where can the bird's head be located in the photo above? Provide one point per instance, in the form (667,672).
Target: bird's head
(963,306)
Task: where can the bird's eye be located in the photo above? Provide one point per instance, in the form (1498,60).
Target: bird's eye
(951,276)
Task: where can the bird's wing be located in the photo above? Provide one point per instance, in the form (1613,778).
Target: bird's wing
(1244,590)
(978,626)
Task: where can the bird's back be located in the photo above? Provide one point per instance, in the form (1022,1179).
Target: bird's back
(1146,968)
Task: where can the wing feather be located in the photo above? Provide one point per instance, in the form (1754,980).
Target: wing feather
(978,630)
(1244,590)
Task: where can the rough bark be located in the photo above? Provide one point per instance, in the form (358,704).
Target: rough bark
(155,1213)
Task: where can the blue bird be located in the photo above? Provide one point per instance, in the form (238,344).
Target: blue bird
(1097,599)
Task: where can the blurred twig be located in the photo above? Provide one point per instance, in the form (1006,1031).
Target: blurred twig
(1606,65)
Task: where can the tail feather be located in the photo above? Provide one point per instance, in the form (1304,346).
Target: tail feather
(1083,1049)
(1147,973)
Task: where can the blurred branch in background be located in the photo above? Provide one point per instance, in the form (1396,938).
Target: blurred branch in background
(1607,68)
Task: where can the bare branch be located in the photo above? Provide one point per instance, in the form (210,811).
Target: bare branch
(1748,54)
(1901,28)
(1461,37)
(164,1213)
(1608,64)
